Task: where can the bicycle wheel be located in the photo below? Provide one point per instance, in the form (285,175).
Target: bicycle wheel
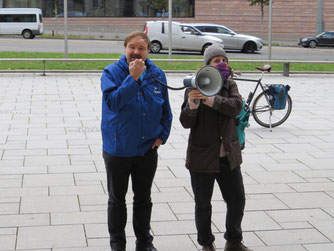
(263,113)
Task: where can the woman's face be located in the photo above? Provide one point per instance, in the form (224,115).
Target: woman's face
(217,60)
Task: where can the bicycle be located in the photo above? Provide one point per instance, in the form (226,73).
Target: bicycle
(261,107)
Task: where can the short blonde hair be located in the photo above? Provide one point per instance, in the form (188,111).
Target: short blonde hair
(137,34)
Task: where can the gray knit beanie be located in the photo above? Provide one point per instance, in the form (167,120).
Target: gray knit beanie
(212,51)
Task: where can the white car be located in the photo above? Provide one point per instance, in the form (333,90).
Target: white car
(184,37)
(232,40)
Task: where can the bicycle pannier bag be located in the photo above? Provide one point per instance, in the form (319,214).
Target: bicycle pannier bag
(242,123)
(278,95)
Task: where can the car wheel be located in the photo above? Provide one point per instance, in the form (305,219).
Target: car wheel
(204,48)
(27,34)
(155,47)
(249,47)
(312,44)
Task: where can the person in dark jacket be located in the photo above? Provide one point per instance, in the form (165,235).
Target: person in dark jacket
(136,120)
(214,153)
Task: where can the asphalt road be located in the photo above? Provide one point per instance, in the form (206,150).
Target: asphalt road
(107,46)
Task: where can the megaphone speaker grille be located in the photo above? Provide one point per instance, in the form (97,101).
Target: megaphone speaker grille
(209,80)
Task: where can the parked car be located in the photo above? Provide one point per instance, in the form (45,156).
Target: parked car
(232,40)
(27,22)
(322,39)
(184,38)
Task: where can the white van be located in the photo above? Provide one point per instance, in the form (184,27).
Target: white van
(21,21)
(185,37)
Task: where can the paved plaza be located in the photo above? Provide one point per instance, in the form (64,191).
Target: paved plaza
(53,185)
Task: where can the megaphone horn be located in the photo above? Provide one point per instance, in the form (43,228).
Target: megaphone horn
(208,80)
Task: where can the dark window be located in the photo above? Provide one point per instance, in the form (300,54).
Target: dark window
(22,18)
(40,18)
(328,35)
(107,8)
(211,29)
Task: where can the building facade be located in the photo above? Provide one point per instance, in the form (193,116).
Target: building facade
(291,18)
(106,8)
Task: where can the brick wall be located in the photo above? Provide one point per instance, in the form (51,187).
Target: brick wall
(291,18)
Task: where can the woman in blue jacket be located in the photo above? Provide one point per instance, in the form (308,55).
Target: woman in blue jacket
(136,120)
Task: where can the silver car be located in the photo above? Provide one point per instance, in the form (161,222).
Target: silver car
(184,37)
(232,40)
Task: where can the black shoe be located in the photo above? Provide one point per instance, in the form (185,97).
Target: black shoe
(210,247)
(236,246)
(150,248)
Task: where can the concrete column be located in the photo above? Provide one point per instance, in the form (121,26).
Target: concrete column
(1,3)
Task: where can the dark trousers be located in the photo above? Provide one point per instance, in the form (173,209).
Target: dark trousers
(142,170)
(231,186)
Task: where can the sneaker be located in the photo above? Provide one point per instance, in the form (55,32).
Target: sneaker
(210,247)
(235,246)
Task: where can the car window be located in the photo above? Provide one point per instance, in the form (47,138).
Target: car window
(211,29)
(223,30)
(189,30)
(328,35)
(207,29)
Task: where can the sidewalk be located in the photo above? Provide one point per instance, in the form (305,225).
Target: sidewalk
(53,185)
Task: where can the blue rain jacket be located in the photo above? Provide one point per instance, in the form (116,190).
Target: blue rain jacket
(134,113)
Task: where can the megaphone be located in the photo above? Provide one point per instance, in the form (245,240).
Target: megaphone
(208,80)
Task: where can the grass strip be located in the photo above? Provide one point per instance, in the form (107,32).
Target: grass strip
(163,65)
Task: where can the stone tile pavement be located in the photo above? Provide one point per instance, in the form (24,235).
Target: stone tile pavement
(53,185)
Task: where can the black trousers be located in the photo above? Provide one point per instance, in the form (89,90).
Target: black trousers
(142,170)
(231,186)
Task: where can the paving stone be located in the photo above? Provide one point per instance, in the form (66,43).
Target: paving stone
(299,215)
(7,242)
(8,231)
(282,247)
(296,225)
(47,160)
(174,227)
(326,227)
(19,220)
(9,208)
(76,190)
(84,168)
(24,191)
(4,183)
(78,217)
(51,237)
(22,170)
(306,200)
(292,237)
(49,204)
(275,177)
(318,247)
(174,242)
(35,180)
